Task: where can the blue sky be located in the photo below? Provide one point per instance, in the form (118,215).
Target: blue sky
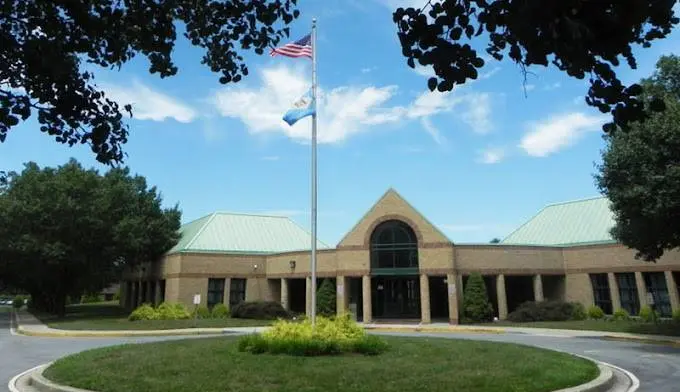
(477,162)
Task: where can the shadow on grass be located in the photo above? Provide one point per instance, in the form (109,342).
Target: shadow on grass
(84,312)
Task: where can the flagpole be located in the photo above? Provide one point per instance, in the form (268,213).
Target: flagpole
(313,256)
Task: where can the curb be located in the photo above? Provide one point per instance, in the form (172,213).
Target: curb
(602,383)
(641,339)
(112,334)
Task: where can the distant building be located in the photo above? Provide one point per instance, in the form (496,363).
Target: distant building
(395,264)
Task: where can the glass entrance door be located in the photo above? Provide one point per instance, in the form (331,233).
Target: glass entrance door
(395,297)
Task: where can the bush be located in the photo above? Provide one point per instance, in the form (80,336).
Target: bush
(202,312)
(172,311)
(676,316)
(578,311)
(476,305)
(326,299)
(143,312)
(331,336)
(220,311)
(116,295)
(260,310)
(543,311)
(595,312)
(18,302)
(620,315)
(91,298)
(647,314)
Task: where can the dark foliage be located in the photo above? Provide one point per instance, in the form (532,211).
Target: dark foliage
(640,171)
(67,231)
(544,311)
(476,305)
(326,298)
(580,38)
(43,45)
(260,310)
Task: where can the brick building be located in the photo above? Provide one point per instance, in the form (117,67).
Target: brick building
(395,264)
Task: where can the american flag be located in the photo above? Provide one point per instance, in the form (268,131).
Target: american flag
(299,48)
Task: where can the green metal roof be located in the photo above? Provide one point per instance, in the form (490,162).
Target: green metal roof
(578,222)
(224,232)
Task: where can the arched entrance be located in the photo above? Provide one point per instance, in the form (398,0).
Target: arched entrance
(395,286)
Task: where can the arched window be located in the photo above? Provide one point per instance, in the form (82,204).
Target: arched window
(394,245)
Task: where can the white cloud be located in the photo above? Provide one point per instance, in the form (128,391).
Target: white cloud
(424,70)
(426,122)
(491,155)
(552,86)
(343,111)
(394,4)
(491,73)
(478,113)
(557,132)
(368,69)
(148,104)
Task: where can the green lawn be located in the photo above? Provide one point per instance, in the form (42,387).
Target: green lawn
(5,308)
(110,316)
(662,328)
(411,364)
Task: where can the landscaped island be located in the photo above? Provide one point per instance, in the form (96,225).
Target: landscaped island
(410,364)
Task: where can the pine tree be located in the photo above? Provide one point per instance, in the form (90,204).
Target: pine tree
(325,298)
(476,305)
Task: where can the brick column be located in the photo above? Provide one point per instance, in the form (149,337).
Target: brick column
(366,294)
(614,291)
(502,299)
(425,315)
(308,296)
(341,295)
(451,280)
(641,289)
(227,292)
(459,290)
(538,288)
(672,290)
(284,294)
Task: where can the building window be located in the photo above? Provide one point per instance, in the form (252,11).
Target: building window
(237,292)
(394,245)
(215,292)
(630,301)
(656,285)
(601,292)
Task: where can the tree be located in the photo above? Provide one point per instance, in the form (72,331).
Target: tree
(43,45)
(69,231)
(326,298)
(476,305)
(495,241)
(579,37)
(640,171)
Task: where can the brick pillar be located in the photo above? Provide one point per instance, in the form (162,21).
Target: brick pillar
(459,290)
(308,296)
(672,290)
(227,293)
(641,288)
(502,299)
(614,291)
(425,315)
(341,295)
(453,288)
(366,294)
(284,294)
(538,288)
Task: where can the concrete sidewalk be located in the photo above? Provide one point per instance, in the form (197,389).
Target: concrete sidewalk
(448,328)
(27,324)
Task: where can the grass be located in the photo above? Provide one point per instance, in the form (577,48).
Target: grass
(638,327)
(110,316)
(411,364)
